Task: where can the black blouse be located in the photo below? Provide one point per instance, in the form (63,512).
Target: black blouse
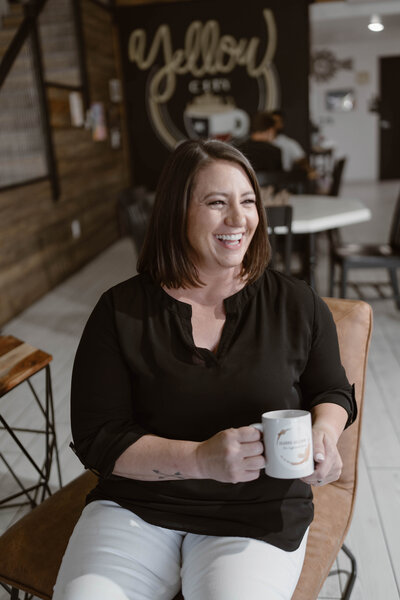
(138,371)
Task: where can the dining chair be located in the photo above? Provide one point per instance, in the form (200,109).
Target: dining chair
(294,181)
(134,210)
(334,235)
(31,550)
(368,256)
(281,243)
(337,176)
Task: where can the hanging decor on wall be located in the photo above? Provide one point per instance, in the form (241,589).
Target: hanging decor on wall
(201,69)
(325,65)
(340,100)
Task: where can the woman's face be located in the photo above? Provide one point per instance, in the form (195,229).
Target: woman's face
(222,216)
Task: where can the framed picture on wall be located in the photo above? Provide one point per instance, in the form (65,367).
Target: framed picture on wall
(340,100)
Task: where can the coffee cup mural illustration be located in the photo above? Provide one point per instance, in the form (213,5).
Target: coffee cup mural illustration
(208,116)
(207,57)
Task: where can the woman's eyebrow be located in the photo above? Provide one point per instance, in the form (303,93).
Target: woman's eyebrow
(226,194)
(216,193)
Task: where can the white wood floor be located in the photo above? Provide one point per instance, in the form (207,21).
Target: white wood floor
(55,323)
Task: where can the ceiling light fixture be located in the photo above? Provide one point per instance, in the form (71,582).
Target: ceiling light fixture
(376,24)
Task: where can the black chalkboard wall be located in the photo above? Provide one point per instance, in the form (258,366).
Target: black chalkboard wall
(201,68)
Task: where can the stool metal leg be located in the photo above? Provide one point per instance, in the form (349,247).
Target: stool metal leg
(51,449)
(25,490)
(26,454)
(49,389)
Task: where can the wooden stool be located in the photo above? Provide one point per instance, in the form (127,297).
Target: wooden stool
(18,362)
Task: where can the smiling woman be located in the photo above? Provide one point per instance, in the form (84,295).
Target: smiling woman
(196,171)
(173,366)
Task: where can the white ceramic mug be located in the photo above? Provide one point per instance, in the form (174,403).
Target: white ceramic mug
(288,443)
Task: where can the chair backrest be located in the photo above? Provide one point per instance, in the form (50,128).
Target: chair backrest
(135,205)
(394,236)
(334,503)
(280,216)
(337,174)
(31,550)
(294,181)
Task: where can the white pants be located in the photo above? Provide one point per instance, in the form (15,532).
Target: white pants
(114,555)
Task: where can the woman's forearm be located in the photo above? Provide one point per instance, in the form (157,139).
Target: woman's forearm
(154,458)
(230,456)
(331,417)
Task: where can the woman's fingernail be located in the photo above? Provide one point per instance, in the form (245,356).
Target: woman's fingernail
(319,456)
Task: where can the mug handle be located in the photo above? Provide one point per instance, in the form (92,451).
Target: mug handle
(260,428)
(257,426)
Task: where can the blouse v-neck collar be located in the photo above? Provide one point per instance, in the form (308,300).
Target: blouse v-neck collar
(233,304)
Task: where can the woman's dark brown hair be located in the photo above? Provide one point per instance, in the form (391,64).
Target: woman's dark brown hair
(166,253)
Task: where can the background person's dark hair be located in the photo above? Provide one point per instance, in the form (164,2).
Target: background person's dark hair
(166,252)
(261,121)
(278,113)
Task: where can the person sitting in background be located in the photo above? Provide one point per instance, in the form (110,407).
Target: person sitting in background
(294,157)
(293,154)
(259,148)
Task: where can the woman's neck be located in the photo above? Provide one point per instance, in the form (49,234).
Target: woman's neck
(215,289)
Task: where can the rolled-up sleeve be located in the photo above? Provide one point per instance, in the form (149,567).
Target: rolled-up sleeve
(102,394)
(324,378)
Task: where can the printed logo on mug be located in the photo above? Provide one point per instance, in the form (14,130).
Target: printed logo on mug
(288,443)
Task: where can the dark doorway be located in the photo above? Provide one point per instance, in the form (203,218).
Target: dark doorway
(389,118)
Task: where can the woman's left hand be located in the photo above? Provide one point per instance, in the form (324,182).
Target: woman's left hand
(327,460)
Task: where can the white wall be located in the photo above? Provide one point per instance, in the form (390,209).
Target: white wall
(355,133)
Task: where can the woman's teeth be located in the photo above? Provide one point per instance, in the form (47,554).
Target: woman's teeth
(233,237)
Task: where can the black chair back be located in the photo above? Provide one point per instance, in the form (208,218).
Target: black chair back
(280,216)
(135,206)
(337,174)
(295,182)
(394,237)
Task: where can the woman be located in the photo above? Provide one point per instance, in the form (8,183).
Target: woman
(172,367)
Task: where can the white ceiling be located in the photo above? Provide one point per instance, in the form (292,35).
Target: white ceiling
(341,22)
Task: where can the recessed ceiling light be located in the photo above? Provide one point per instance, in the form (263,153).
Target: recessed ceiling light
(376,24)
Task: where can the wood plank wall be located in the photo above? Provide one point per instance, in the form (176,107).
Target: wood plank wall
(37,250)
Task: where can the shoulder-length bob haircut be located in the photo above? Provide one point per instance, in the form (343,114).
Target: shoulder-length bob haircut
(166,252)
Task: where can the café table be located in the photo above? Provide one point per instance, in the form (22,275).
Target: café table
(313,214)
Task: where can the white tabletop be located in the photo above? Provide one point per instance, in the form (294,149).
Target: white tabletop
(319,213)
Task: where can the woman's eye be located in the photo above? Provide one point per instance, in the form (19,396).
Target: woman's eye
(249,201)
(216,203)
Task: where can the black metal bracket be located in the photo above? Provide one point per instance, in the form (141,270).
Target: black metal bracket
(353,574)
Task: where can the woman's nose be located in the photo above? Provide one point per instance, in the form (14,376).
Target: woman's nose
(235,216)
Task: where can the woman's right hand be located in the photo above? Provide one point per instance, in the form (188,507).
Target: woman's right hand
(232,455)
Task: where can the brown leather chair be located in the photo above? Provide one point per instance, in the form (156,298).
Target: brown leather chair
(31,550)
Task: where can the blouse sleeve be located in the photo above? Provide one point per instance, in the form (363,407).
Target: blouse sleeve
(102,417)
(324,378)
